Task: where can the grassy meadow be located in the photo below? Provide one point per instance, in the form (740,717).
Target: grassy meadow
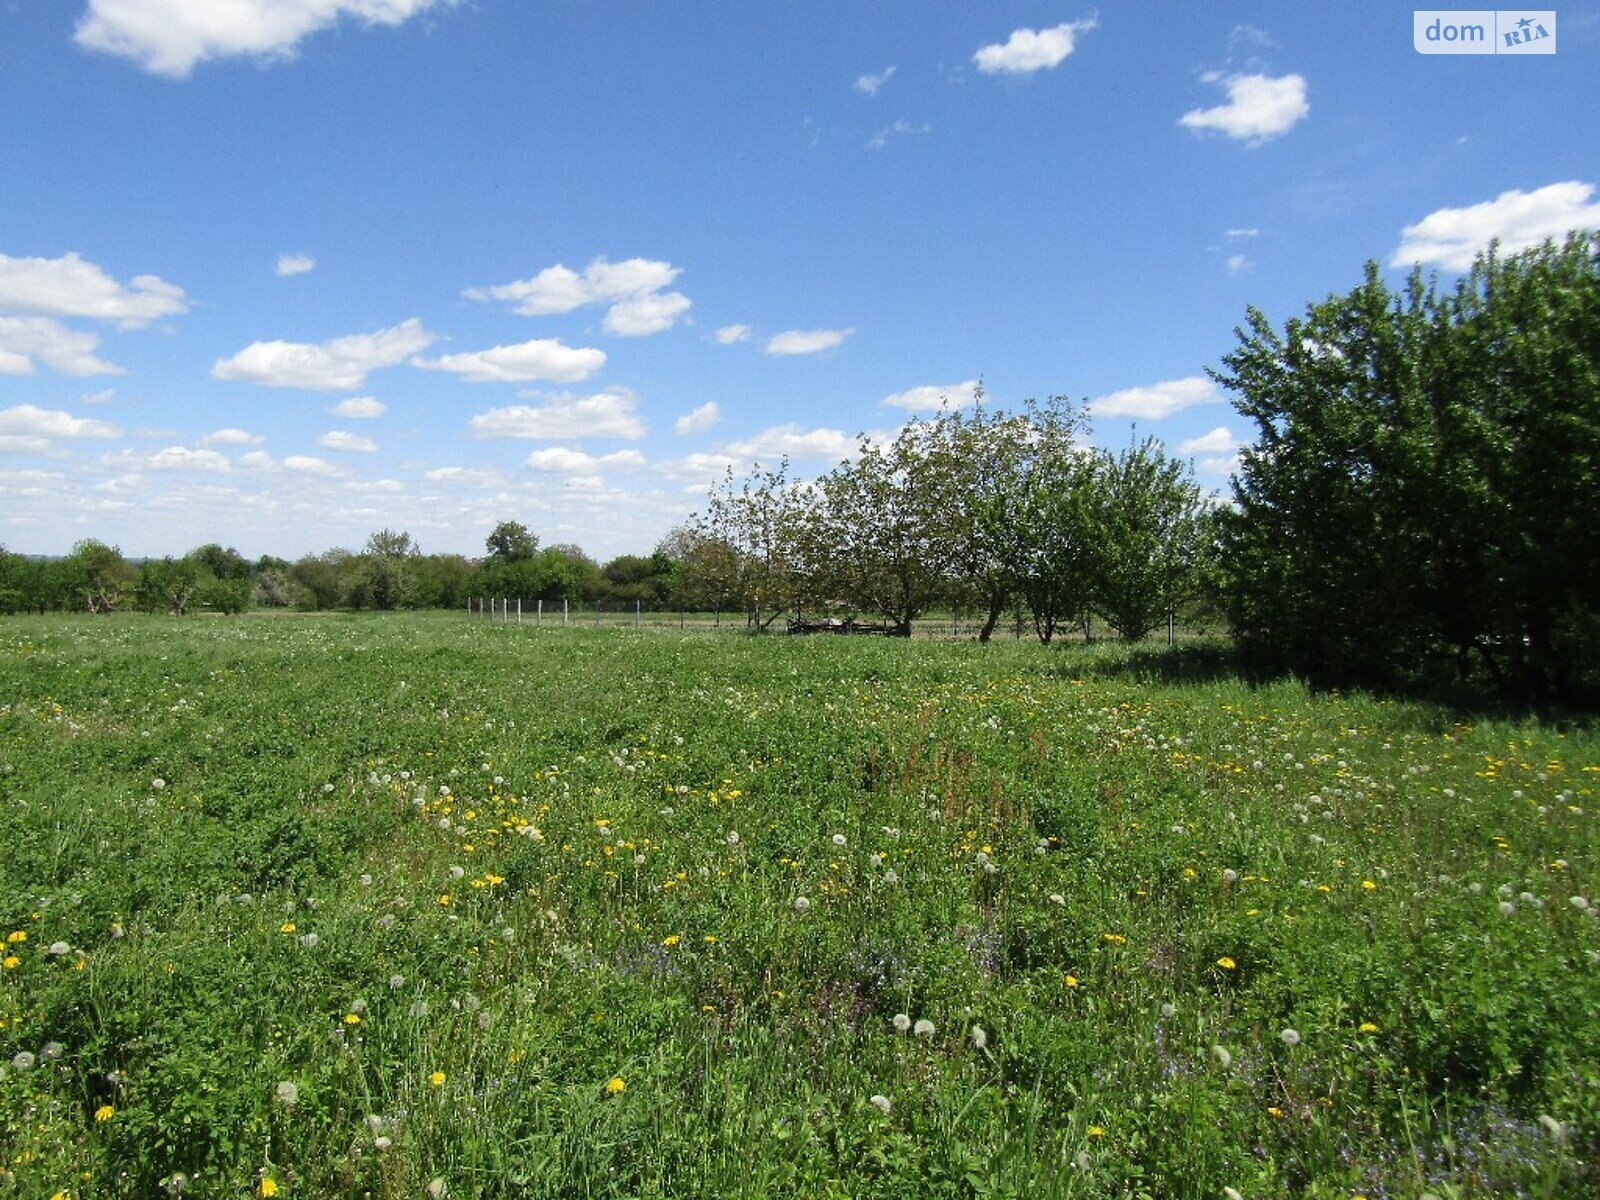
(411,906)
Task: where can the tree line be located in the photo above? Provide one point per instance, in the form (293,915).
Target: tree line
(389,572)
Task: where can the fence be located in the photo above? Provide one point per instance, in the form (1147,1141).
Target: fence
(955,625)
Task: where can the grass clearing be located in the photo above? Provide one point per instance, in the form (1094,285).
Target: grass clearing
(410,905)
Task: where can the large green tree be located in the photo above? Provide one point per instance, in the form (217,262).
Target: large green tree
(1422,479)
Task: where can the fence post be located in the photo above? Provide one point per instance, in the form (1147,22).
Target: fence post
(680,615)
(519,610)
(955,619)
(597,614)
(1169,628)
(563,610)
(538,616)
(636,614)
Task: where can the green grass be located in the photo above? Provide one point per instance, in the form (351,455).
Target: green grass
(447,880)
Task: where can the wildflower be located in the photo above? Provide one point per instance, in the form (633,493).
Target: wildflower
(59,949)
(1097,1131)
(1114,939)
(51,1051)
(157,784)
(1231,1193)
(881,1103)
(802,904)
(381,1143)
(103,1114)
(1578,902)
(12,962)
(1507,909)
(1368,886)
(1553,1127)
(17,935)
(733,837)
(1229,875)
(1057,898)
(890,876)
(175,1184)
(1290,1037)
(396,982)
(980,1038)
(286,928)
(352,1018)
(267,1187)
(671,939)
(365,880)
(1275,1112)
(437,1078)
(310,941)
(288,1093)
(1367,1027)
(23,1060)
(901,1023)
(1070,981)
(1226,963)
(437,1189)
(1223,1057)
(1168,1011)
(923,1028)
(456,872)
(616,1085)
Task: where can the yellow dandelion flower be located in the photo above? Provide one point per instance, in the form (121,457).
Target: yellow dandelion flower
(615,1085)
(1368,886)
(1115,939)
(1226,963)
(1367,1027)
(1275,1111)
(1097,1131)
(352,1018)
(1070,981)
(286,927)
(443,901)
(104,1113)
(12,962)
(17,935)
(437,1078)
(267,1187)
(671,939)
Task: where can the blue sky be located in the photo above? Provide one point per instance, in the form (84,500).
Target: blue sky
(282,272)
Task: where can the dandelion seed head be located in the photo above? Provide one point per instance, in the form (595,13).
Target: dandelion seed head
(882,1104)
(924,1028)
(1290,1037)
(802,904)
(901,1022)
(288,1093)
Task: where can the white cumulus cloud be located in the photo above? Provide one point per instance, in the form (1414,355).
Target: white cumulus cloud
(28,420)
(796,441)
(295,264)
(169,37)
(566,461)
(1452,237)
(634,289)
(339,439)
(71,287)
(806,341)
(232,437)
(1029,50)
(70,351)
(525,362)
(1259,107)
(1158,399)
(729,334)
(698,420)
(1219,441)
(308,465)
(932,397)
(361,408)
(608,414)
(340,365)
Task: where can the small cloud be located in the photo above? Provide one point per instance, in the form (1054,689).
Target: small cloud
(699,420)
(295,264)
(633,288)
(104,396)
(729,334)
(360,408)
(563,460)
(868,85)
(339,365)
(28,420)
(1029,50)
(306,465)
(1234,235)
(795,441)
(1453,237)
(232,437)
(1219,441)
(1158,399)
(1259,107)
(806,341)
(933,397)
(338,439)
(1237,264)
(606,414)
(541,359)
(901,128)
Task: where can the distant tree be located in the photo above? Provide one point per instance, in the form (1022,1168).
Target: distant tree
(392,543)
(707,569)
(1150,537)
(767,520)
(318,578)
(168,584)
(510,541)
(220,563)
(97,575)
(275,586)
